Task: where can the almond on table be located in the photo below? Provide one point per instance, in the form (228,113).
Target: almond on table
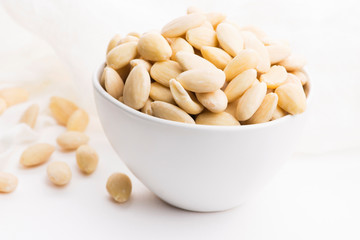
(36,154)
(14,95)
(61,109)
(30,115)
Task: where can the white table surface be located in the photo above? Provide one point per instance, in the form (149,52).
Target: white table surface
(316,195)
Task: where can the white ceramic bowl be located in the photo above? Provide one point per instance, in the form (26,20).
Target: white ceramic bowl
(197,167)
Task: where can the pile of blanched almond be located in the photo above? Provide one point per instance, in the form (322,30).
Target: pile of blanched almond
(67,114)
(204,69)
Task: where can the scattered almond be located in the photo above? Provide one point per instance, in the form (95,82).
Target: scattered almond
(30,115)
(14,95)
(71,140)
(119,187)
(3,106)
(36,154)
(59,173)
(78,121)
(87,159)
(8,182)
(61,109)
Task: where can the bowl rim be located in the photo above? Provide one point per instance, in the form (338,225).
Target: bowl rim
(97,87)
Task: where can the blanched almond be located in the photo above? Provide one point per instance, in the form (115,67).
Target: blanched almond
(292,78)
(154,47)
(260,34)
(180,44)
(278,113)
(30,115)
(113,42)
(213,101)
(193,9)
(137,87)
(14,95)
(303,77)
(121,55)
(134,34)
(252,42)
(201,36)
(207,24)
(170,112)
(87,159)
(192,61)
(293,63)
(8,182)
(216,56)
(59,173)
(181,25)
(240,84)
(229,38)
(119,187)
(250,101)
(202,80)
(61,109)
(278,52)
(163,71)
(186,100)
(136,62)
(246,59)
(3,105)
(291,98)
(128,39)
(159,92)
(266,110)
(215,18)
(71,140)
(231,108)
(274,77)
(220,119)
(147,107)
(78,121)
(113,83)
(36,154)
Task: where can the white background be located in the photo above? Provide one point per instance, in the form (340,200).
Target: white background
(315,196)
